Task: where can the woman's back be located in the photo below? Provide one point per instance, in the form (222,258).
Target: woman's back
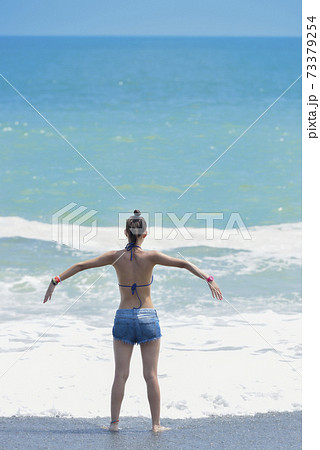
(136,271)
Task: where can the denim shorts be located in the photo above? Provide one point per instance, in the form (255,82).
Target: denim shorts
(136,326)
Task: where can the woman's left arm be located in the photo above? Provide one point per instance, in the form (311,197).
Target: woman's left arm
(103,260)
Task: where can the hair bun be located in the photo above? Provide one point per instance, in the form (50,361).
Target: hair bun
(137,213)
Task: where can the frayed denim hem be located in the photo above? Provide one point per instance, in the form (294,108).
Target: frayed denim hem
(137,343)
(150,340)
(123,340)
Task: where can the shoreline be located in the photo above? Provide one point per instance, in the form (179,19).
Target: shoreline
(260,431)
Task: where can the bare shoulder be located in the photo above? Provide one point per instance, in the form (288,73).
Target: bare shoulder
(116,254)
(154,255)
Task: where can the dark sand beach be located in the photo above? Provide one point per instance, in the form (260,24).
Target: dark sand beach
(278,430)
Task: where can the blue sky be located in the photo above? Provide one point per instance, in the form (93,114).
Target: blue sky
(151,17)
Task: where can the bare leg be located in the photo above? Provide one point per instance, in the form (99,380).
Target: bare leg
(122,357)
(150,357)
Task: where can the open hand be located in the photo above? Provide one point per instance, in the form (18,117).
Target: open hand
(215,290)
(49,292)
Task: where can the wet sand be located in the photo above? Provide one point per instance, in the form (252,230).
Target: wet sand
(279,430)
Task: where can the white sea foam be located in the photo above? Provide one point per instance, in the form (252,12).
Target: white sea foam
(208,365)
(279,241)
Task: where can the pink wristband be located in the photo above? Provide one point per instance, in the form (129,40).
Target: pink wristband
(210,279)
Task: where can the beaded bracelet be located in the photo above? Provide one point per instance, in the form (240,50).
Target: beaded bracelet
(56,280)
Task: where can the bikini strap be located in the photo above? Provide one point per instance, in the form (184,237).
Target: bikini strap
(130,246)
(134,289)
(134,285)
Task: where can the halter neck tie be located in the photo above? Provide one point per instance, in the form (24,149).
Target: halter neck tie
(130,246)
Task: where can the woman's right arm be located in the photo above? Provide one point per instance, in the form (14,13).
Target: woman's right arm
(102,260)
(165,260)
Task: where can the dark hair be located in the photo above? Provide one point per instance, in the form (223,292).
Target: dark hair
(135,226)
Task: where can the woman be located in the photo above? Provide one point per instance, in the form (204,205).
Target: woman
(136,320)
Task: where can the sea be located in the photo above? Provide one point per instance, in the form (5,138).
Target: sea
(203,136)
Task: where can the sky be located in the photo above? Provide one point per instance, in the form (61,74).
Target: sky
(151,17)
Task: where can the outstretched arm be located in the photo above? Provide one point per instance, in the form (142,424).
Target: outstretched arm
(103,260)
(165,260)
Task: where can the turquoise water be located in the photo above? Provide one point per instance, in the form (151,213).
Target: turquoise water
(151,115)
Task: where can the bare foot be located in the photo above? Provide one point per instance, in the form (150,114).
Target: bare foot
(157,428)
(112,427)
